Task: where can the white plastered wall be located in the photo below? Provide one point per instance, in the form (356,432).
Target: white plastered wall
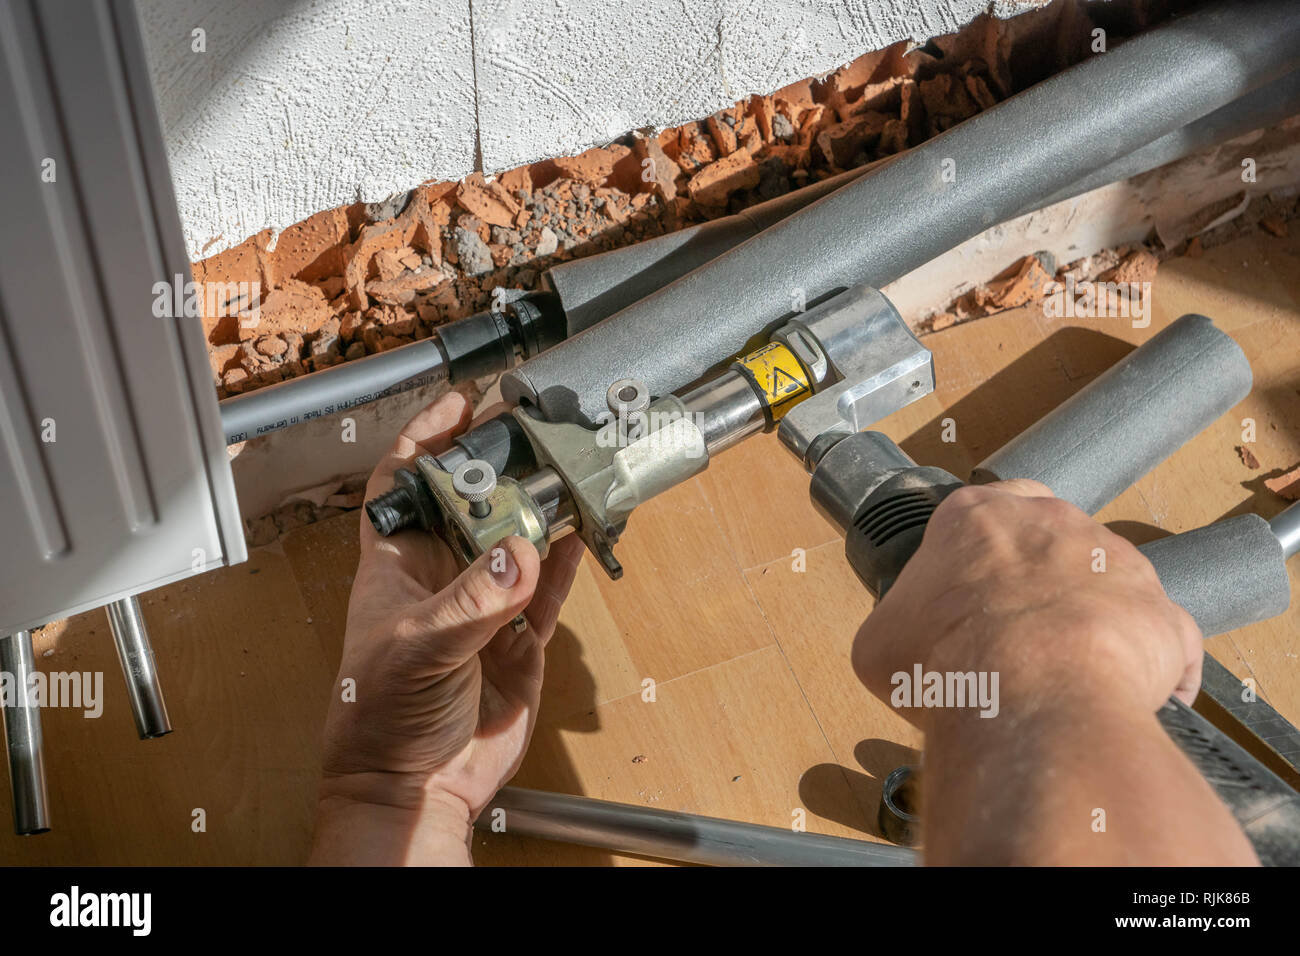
(277,109)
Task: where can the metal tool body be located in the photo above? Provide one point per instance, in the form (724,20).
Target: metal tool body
(853,354)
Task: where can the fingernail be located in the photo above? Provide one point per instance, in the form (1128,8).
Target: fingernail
(501,563)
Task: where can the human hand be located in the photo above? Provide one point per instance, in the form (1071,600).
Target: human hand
(1010,580)
(446,692)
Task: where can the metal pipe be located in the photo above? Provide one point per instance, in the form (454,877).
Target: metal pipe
(928,200)
(22,719)
(670,835)
(1286,528)
(336,389)
(553,498)
(131,638)
(727,410)
(1130,418)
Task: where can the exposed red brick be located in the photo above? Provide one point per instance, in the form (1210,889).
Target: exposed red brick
(312,249)
(714,183)
(1286,485)
(723,136)
(492,206)
(841,143)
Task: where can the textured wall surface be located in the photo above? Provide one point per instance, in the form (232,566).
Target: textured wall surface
(294,106)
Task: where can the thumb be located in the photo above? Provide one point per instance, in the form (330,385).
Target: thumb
(462,617)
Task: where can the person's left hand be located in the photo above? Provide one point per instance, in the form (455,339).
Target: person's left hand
(445,691)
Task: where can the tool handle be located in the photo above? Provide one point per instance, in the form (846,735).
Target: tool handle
(1267,809)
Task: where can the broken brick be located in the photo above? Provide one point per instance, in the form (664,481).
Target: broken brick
(661,171)
(1273,225)
(493,206)
(312,250)
(723,136)
(296,306)
(694,149)
(762,109)
(271,345)
(842,142)
(1286,485)
(714,183)
(1023,283)
(594,166)
(388,265)
(1137,267)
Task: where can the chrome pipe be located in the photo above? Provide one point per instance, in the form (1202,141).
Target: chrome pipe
(22,720)
(135,653)
(727,410)
(672,835)
(1286,526)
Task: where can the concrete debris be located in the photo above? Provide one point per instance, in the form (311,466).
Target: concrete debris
(472,253)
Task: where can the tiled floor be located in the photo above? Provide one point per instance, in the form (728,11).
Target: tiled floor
(757,715)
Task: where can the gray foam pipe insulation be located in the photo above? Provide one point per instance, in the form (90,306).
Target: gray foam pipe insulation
(1130,418)
(1125,422)
(594,287)
(1225,575)
(923,203)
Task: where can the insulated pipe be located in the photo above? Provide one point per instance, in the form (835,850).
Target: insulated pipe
(131,638)
(1265,107)
(1225,575)
(588,290)
(670,835)
(1130,418)
(923,203)
(31,806)
(594,287)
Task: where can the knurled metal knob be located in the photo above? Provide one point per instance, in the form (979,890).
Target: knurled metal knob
(627,396)
(475,480)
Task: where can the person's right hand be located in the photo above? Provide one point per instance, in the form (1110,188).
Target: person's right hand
(1010,579)
(1075,768)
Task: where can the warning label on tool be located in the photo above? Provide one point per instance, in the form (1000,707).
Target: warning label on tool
(779,377)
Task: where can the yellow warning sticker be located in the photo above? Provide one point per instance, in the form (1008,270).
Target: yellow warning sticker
(779,377)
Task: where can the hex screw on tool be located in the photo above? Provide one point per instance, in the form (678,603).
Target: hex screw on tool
(22,719)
